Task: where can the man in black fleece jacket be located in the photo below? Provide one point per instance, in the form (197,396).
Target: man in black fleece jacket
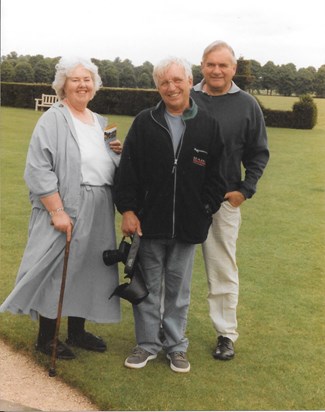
(170,183)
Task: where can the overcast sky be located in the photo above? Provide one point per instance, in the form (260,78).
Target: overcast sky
(283,31)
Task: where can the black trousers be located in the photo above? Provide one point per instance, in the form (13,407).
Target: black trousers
(46,333)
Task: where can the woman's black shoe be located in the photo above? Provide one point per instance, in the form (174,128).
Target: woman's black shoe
(87,341)
(62,350)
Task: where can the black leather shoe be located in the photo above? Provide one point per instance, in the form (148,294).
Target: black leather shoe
(224,349)
(62,350)
(87,341)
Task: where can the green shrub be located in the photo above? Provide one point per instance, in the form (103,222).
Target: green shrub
(305,113)
(302,116)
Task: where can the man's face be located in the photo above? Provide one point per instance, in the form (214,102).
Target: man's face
(218,69)
(174,88)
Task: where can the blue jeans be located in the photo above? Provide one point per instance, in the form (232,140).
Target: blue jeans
(169,263)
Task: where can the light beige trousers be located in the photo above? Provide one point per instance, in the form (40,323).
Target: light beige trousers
(219,251)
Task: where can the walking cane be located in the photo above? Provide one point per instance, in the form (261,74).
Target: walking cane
(52,370)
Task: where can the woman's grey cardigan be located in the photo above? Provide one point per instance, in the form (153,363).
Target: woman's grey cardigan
(53,160)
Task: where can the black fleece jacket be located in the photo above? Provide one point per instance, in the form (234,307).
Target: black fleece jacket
(173,195)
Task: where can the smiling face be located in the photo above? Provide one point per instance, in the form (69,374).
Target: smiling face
(79,87)
(218,69)
(174,88)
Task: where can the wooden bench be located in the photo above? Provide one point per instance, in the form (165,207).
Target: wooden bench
(47,100)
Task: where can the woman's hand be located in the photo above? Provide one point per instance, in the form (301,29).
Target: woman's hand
(59,218)
(62,222)
(116,146)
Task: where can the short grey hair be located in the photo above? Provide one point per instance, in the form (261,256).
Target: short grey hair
(163,65)
(217,45)
(64,68)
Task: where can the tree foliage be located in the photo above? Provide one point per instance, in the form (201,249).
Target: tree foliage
(320,82)
(269,77)
(24,73)
(251,75)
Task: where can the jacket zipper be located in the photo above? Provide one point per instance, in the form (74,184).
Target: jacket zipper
(174,168)
(174,171)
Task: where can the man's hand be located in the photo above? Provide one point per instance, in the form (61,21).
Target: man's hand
(235,198)
(116,146)
(130,224)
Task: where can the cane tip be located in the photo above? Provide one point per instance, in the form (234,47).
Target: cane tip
(52,372)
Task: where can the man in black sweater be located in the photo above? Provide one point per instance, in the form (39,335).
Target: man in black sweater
(242,126)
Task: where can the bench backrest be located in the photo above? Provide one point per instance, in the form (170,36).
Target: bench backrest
(49,98)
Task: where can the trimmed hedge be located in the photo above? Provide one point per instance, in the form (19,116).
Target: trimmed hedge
(302,116)
(129,102)
(23,94)
(123,101)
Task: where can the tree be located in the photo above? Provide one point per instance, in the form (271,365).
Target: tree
(13,56)
(127,77)
(35,60)
(269,77)
(144,82)
(147,67)
(256,71)
(7,71)
(243,77)
(143,75)
(127,74)
(286,79)
(52,62)
(42,72)
(320,82)
(305,79)
(250,75)
(110,75)
(197,74)
(24,73)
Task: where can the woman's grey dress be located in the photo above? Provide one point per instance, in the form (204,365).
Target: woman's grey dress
(89,282)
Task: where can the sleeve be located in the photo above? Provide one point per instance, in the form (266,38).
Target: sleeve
(39,172)
(215,184)
(256,154)
(127,175)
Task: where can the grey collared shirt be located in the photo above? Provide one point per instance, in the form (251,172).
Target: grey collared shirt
(199,87)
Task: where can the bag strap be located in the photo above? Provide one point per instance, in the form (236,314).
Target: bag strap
(129,265)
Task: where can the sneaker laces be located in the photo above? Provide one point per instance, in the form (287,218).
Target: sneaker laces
(180,356)
(139,351)
(222,341)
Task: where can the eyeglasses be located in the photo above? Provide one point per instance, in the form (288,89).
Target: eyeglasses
(176,82)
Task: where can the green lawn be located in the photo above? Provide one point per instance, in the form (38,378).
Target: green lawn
(280,354)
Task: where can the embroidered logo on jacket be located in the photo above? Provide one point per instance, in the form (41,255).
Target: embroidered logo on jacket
(198,160)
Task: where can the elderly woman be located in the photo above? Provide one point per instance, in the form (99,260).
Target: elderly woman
(69,172)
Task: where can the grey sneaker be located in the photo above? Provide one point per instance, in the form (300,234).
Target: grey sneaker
(179,362)
(139,358)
